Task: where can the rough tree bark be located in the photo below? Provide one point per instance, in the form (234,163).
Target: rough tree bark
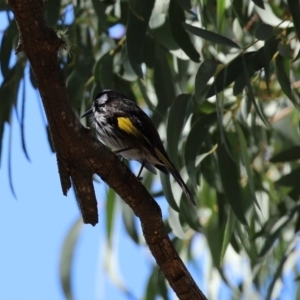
(79,155)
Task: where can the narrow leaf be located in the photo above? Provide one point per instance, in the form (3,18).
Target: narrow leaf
(250,93)
(210,36)
(229,74)
(227,233)
(176,121)
(246,161)
(66,259)
(164,86)
(287,155)
(136,35)
(129,222)
(175,224)
(104,71)
(52,12)
(9,163)
(259,3)
(295,12)
(181,37)
(196,136)
(6,50)
(110,214)
(285,51)
(230,180)
(206,70)
(22,121)
(165,182)
(282,69)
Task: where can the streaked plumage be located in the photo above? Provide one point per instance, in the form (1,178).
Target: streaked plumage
(125,128)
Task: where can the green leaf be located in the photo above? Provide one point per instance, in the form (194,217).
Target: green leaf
(219,236)
(22,123)
(295,12)
(176,121)
(104,71)
(99,9)
(134,8)
(185,4)
(163,35)
(250,94)
(285,51)
(149,52)
(229,74)
(175,224)
(210,36)
(136,34)
(230,180)
(129,222)
(246,161)
(291,179)
(206,70)
(189,215)
(282,72)
(264,32)
(10,177)
(156,286)
(110,214)
(196,136)
(278,274)
(143,90)
(221,11)
(164,86)
(260,59)
(6,48)
(166,185)
(66,259)
(181,37)
(274,234)
(259,3)
(228,230)
(287,155)
(52,12)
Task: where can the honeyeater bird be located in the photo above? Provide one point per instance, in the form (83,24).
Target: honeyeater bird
(125,128)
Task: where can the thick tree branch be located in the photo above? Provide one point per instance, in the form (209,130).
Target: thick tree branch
(79,155)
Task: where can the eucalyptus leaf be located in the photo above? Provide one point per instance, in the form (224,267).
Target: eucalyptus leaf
(264,32)
(210,36)
(295,12)
(230,181)
(176,121)
(67,256)
(136,34)
(176,15)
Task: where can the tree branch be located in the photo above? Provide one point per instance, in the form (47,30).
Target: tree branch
(79,155)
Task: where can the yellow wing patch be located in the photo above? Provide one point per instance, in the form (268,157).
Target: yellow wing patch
(126,125)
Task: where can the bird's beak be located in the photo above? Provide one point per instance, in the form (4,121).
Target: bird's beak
(89,112)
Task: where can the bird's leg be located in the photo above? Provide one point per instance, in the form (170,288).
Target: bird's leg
(140,172)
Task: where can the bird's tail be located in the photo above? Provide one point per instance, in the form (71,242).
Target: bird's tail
(180,181)
(171,168)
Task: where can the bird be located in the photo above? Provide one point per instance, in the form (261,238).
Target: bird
(125,128)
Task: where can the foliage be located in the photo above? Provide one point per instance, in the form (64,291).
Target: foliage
(230,121)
